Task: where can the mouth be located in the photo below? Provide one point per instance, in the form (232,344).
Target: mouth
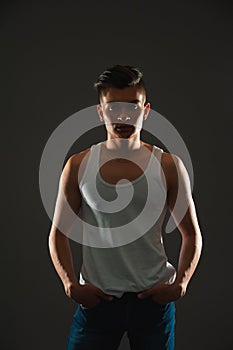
(124,128)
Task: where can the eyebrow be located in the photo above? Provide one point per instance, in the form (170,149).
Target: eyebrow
(133,101)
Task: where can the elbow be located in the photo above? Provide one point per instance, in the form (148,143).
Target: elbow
(51,243)
(52,238)
(199,241)
(195,237)
(56,237)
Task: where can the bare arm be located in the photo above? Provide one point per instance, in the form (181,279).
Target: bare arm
(66,211)
(182,208)
(68,200)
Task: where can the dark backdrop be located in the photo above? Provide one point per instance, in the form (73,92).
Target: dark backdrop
(51,53)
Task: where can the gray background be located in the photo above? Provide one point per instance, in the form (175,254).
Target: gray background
(51,53)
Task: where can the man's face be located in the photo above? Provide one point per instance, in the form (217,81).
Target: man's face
(123,111)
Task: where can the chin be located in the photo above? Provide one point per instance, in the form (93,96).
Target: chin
(123,136)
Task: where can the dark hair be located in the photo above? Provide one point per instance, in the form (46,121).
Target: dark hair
(119,77)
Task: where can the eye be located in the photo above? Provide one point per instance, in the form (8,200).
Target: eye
(110,107)
(133,107)
(113,108)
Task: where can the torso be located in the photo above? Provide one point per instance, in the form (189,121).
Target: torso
(115,170)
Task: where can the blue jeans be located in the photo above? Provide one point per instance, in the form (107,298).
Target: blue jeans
(149,325)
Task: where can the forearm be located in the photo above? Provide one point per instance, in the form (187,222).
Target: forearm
(61,256)
(188,258)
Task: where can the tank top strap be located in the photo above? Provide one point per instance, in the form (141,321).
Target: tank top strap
(158,152)
(93,162)
(156,159)
(91,165)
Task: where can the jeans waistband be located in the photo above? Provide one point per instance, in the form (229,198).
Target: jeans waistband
(127,295)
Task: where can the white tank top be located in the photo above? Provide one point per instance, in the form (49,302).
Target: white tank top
(142,261)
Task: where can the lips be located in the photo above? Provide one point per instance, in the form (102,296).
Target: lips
(124,128)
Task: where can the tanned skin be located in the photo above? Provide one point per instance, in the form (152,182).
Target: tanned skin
(175,175)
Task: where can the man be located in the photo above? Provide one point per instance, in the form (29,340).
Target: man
(126,282)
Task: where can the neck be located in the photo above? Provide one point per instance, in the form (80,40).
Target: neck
(123,145)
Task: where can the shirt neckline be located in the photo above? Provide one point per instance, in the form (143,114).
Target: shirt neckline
(130,183)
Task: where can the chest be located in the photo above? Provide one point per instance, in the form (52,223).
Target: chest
(113,171)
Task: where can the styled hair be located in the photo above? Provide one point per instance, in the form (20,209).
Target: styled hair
(119,77)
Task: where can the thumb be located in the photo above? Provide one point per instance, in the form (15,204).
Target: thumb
(107,297)
(145,294)
(104,296)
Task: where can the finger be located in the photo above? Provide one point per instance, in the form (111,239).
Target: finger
(107,297)
(145,294)
(104,295)
(100,293)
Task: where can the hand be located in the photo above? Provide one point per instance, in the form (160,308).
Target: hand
(87,295)
(163,293)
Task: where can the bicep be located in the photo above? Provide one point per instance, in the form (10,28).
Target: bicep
(180,200)
(69,198)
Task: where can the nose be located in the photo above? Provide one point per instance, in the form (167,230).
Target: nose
(123,117)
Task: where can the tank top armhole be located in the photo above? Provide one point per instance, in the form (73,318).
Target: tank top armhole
(80,184)
(159,153)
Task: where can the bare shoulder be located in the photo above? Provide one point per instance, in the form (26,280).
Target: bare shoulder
(77,158)
(175,173)
(169,160)
(77,163)
(170,163)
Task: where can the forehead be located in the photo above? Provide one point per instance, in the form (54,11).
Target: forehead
(123,95)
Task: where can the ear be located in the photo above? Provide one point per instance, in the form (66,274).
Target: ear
(100,112)
(146,111)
